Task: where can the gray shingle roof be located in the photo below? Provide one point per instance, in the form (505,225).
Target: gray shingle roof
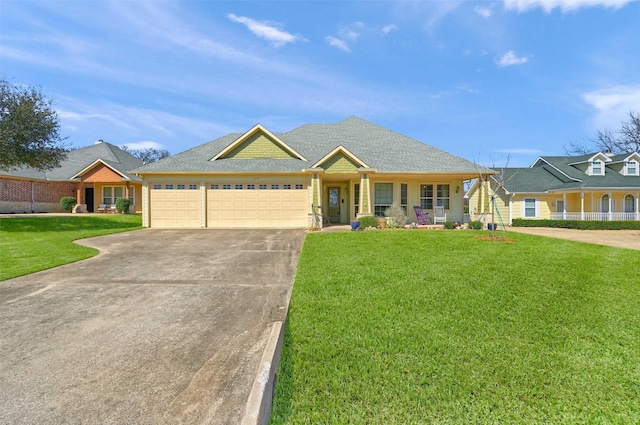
(79,159)
(552,173)
(380,148)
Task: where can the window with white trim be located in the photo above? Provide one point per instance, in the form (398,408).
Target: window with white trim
(530,208)
(214,186)
(629,203)
(238,186)
(182,187)
(132,195)
(631,168)
(597,168)
(262,186)
(286,186)
(275,186)
(111,193)
(604,203)
(251,186)
(403,196)
(226,187)
(383,198)
(443,196)
(426,196)
(299,186)
(157,186)
(168,186)
(193,187)
(356,198)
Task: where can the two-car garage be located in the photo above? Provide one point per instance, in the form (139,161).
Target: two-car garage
(228,204)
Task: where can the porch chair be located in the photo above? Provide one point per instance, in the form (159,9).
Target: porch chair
(439,216)
(102,208)
(423,217)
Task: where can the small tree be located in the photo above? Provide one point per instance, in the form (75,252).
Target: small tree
(396,216)
(122,205)
(624,140)
(67,203)
(147,155)
(29,129)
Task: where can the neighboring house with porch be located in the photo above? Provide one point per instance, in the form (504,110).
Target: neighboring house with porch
(94,175)
(595,186)
(301,178)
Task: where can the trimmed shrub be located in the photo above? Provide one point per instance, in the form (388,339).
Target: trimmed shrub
(67,203)
(396,218)
(368,221)
(122,205)
(449,225)
(577,224)
(475,225)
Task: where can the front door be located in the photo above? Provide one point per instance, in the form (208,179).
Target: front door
(334,204)
(88,198)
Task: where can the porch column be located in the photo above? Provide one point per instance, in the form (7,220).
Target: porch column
(564,206)
(637,206)
(610,212)
(145,203)
(365,203)
(511,209)
(582,206)
(482,194)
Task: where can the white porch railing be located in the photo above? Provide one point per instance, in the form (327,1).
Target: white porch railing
(595,216)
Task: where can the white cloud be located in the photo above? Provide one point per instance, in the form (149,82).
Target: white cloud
(388,28)
(564,5)
(613,104)
(485,12)
(510,58)
(521,151)
(351,32)
(145,144)
(266,30)
(337,43)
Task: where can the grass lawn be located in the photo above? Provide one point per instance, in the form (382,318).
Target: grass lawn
(437,327)
(31,244)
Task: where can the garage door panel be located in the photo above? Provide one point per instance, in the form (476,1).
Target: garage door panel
(175,208)
(257,208)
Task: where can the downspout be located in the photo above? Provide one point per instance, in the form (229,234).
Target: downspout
(610,212)
(564,206)
(511,208)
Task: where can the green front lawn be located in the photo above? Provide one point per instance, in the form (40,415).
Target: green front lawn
(31,244)
(422,327)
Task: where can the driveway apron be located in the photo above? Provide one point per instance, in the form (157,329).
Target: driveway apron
(162,327)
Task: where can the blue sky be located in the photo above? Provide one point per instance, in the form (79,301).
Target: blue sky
(485,80)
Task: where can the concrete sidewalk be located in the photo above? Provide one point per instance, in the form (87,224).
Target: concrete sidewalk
(163,327)
(629,239)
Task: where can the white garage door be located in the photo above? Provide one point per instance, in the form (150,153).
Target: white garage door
(175,205)
(257,205)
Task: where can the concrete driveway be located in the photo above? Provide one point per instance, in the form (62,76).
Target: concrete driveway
(163,327)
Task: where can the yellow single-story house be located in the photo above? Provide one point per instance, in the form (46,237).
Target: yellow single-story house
(94,175)
(304,178)
(597,186)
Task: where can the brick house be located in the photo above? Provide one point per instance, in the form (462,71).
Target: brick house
(94,175)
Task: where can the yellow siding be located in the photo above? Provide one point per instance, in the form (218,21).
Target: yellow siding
(340,163)
(259,146)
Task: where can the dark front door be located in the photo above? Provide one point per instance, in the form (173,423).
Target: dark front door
(88,198)
(334,204)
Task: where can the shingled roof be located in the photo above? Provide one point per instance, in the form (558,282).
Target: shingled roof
(379,148)
(553,173)
(79,159)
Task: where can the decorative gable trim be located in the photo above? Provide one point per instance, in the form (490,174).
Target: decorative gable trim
(341,149)
(255,130)
(93,165)
(542,160)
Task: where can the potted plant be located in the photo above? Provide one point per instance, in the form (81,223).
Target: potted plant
(355,223)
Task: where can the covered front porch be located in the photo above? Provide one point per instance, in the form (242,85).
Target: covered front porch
(597,206)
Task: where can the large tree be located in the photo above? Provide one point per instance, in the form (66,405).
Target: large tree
(29,129)
(624,140)
(147,155)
